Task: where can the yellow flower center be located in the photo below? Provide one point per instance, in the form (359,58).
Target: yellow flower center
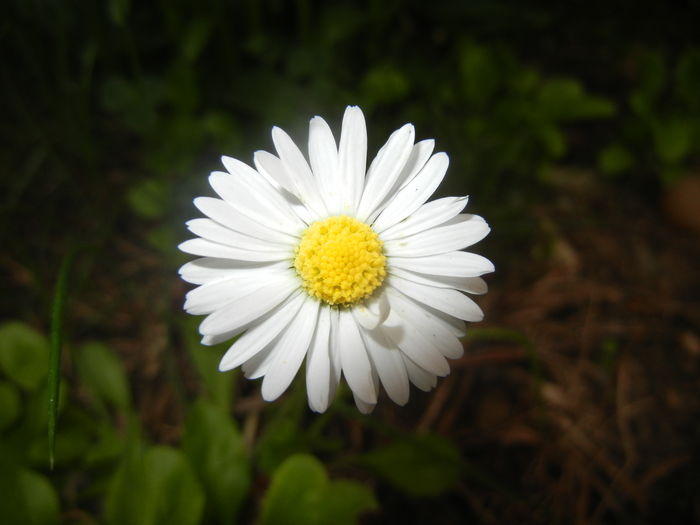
(340,260)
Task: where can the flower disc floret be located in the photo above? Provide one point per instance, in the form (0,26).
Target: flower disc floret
(340,260)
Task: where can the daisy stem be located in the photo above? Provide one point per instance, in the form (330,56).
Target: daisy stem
(54,377)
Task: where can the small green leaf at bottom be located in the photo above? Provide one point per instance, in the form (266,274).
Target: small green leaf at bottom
(215,449)
(423,465)
(301,493)
(24,354)
(155,486)
(27,497)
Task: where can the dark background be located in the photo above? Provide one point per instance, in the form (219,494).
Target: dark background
(574,128)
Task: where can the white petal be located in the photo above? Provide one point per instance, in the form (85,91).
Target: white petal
(260,364)
(271,167)
(221,337)
(211,340)
(416,160)
(427,216)
(305,188)
(353,358)
(275,171)
(419,156)
(258,184)
(215,232)
(386,358)
(372,312)
(318,365)
(414,194)
(210,297)
(385,170)
(414,344)
(473,285)
(208,269)
(421,378)
(249,308)
(456,234)
(364,408)
(431,328)
(262,334)
(226,215)
(295,343)
(257,200)
(456,326)
(206,248)
(446,300)
(352,158)
(334,353)
(454,264)
(323,155)
(239,168)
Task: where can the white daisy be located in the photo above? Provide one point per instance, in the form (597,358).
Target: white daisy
(349,269)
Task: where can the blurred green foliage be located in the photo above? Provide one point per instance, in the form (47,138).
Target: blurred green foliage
(24,355)
(661,124)
(108,469)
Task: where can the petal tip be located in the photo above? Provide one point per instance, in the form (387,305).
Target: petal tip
(224,366)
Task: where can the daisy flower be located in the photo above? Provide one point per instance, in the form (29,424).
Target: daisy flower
(347,267)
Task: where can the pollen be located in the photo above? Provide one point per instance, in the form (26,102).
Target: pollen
(340,260)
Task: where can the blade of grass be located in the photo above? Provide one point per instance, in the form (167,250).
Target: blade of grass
(57,308)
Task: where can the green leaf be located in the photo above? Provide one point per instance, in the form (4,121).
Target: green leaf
(295,492)
(153,487)
(614,159)
(221,128)
(652,78)
(423,465)
(10,404)
(106,445)
(553,139)
(524,81)
(119,10)
(565,99)
(72,444)
(102,375)
(35,416)
(345,501)
(216,450)
(148,198)
(673,140)
(481,77)
(195,38)
(54,375)
(301,493)
(27,497)
(384,85)
(24,354)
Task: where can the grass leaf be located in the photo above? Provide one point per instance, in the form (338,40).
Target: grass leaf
(56,347)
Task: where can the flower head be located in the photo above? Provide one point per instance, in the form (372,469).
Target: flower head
(348,268)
